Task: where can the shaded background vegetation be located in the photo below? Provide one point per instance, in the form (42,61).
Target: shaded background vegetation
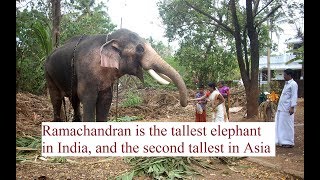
(207,33)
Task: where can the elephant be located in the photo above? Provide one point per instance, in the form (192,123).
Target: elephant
(85,68)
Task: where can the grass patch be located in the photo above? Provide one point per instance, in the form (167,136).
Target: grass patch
(27,148)
(131,100)
(162,167)
(126,119)
(59,160)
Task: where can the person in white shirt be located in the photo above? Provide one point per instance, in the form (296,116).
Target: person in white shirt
(284,118)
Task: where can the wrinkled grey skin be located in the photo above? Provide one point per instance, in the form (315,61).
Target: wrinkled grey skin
(92,83)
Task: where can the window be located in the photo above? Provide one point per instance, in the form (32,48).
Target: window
(265,75)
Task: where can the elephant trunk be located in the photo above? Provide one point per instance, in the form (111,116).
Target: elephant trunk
(151,60)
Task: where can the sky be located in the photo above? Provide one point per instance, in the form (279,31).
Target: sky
(141,16)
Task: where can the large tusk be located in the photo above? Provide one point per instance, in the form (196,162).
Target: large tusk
(165,77)
(157,77)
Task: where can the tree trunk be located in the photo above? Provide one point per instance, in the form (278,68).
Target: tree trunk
(249,70)
(253,94)
(252,90)
(250,80)
(56,17)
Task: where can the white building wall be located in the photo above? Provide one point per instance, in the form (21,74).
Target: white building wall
(278,65)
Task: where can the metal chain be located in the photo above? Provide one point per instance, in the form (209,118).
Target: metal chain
(73,76)
(117,99)
(72,69)
(117,90)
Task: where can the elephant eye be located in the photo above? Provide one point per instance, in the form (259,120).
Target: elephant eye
(117,50)
(139,49)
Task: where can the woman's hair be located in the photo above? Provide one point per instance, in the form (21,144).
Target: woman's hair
(212,85)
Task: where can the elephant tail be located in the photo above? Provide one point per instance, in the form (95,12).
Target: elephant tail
(65,110)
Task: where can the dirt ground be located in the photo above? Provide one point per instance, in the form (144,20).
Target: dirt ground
(161,106)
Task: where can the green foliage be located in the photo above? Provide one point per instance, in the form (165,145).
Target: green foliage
(294,12)
(26,147)
(206,52)
(31,76)
(182,21)
(34,41)
(211,63)
(29,142)
(33,44)
(43,36)
(275,86)
(126,119)
(214,35)
(272,86)
(299,52)
(85,19)
(131,99)
(29,148)
(162,167)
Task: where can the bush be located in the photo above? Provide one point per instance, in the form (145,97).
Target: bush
(275,86)
(131,99)
(30,77)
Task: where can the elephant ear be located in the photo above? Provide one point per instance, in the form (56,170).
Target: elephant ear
(110,54)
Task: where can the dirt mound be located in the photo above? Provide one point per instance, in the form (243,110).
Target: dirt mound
(156,104)
(31,110)
(237,96)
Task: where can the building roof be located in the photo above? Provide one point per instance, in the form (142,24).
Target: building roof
(279,62)
(294,41)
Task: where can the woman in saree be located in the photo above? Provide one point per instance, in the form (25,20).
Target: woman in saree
(216,102)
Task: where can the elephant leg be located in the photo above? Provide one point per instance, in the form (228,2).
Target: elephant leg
(103,104)
(76,108)
(89,110)
(56,99)
(88,97)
